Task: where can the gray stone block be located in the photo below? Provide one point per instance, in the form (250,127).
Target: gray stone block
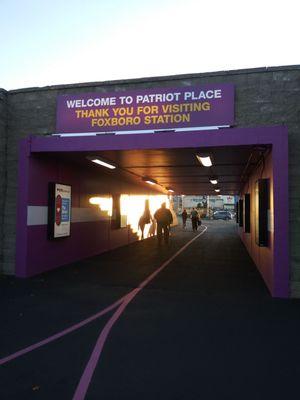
(295,289)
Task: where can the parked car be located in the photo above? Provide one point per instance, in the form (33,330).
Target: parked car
(226,215)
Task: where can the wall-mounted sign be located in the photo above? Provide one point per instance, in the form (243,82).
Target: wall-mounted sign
(262,205)
(228,200)
(146,110)
(59,210)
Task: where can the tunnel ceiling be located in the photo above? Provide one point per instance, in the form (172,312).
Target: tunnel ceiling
(180,169)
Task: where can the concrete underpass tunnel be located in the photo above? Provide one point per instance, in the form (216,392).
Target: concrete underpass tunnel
(249,165)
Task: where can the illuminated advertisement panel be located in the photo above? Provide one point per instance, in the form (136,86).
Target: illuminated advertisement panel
(59,210)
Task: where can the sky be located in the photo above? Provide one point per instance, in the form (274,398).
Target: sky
(45,42)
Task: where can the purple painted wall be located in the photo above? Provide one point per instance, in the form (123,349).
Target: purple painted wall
(35,253)
(87,239)
(262,256)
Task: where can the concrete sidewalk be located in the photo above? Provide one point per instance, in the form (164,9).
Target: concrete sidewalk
(204,328)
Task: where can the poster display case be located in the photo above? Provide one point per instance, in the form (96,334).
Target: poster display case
(59,210)
(261,211)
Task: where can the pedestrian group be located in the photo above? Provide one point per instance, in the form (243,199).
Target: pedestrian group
(162,221)
(195,217)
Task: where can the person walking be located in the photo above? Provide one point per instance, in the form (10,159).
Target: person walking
(184,216)
(164,219)
(195,219)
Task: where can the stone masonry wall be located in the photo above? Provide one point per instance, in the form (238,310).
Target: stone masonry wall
(267,96)
(3,120)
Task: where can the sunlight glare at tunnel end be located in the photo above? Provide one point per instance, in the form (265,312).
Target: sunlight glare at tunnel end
(104,203)
(133,207)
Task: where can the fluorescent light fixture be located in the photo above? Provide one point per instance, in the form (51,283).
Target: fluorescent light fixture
(101,162)
(170,190)
(149,180)
(213,180)
(204,159)
(217,190)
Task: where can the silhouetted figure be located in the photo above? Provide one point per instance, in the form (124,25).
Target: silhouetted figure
(195,219)
(164,219)
(184,216)
(145,218)
(152,228)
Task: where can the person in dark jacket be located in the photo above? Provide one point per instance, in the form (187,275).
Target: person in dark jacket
(195,219)
(184,216)
(164,219)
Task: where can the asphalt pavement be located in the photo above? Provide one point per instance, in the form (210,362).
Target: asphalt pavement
(205,327)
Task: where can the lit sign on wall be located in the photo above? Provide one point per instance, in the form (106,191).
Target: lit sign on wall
(59,211)
(146,110)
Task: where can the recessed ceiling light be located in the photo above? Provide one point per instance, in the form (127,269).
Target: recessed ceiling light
(102,162)
(204,159)
(149,180)
(213,181)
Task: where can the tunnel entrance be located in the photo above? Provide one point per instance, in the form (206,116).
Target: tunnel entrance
(155,166)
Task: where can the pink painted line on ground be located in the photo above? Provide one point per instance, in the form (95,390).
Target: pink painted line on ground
(60,334)
(86,321)
(93,361)
(87,375)
(156,272)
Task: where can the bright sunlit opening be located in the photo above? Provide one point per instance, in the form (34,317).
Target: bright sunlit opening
(104,203)
(133,207)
